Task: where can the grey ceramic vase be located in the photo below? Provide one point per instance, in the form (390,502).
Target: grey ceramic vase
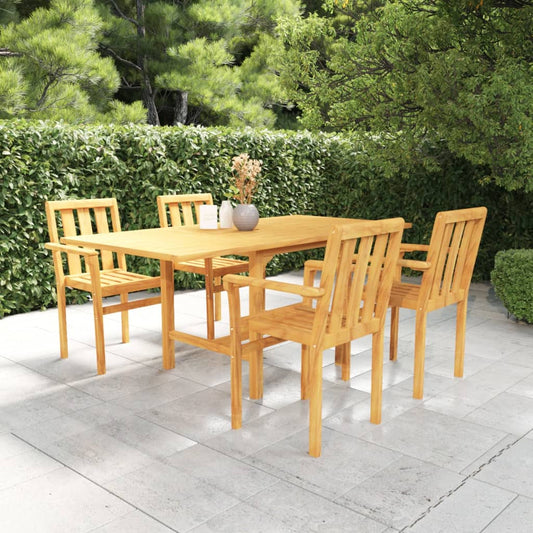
(245,217)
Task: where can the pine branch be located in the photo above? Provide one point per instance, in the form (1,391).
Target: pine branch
(123,15)
(127,62)
(6,52)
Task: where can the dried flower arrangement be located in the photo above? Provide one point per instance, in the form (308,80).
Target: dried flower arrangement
(245,172)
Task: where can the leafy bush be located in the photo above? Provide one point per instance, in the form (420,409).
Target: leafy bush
(512,279)
(302,173)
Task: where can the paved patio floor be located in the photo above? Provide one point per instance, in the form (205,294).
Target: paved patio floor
(146,450)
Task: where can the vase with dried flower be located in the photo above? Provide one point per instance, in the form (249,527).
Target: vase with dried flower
(246,181)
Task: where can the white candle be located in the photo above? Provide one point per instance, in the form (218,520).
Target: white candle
(208,217)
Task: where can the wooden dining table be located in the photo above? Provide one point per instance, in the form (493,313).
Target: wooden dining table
(172,245)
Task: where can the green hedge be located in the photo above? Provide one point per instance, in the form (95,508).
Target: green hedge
(512,278)
(303,173)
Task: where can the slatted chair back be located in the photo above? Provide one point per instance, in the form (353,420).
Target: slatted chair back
(181,209)
(84,217)
(452,255)
(359,290)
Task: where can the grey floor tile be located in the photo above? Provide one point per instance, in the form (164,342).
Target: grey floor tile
(460,458)
(96,455)
(516,518)
(153,397)
(243,517)
(202,366)
(171,496)
(288,355)
(227,474)
(58,501)
(354,420)
(524,387)
(393,373)
(261,432)
(508,412)
(25,466)
(128,379)
(403,490)
(202,415)
(303,511)
(450,405)
(146,437)
(80,364)
(10,446)
(133,522)
(345,462)
(439,439)
(49,431)
(512,470)
(281,386)
(470,508)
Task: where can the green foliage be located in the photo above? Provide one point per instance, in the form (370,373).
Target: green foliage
(54,71)
(213,53)
(453,71)
(512,279)
(301,173)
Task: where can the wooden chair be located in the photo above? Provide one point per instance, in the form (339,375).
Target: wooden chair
(447,272)
(351,302)
(81,217)
(183,210)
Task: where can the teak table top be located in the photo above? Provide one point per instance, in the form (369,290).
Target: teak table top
(285,233)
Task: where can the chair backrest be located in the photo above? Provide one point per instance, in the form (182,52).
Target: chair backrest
(84,217)
(358,291)
(452,254)
(181,209)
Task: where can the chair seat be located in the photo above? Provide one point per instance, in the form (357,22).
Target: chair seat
(295,323)
(406,295)
(114,282)
(221,266)
(291,322)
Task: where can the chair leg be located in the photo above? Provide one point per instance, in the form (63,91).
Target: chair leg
(62,315)
(210,308)
(315,402)
(236,357)
(377,377)
(394,319)
(460,338)
(236,386)
(125,319)
(96,292)
(218,306)
(343,352)
(420,348)
(99,333)
(304,379)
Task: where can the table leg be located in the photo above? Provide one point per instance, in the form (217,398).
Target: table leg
(167,313)
(257,267)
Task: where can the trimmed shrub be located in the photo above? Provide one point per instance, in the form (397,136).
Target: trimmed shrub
(512,279)
(302,173)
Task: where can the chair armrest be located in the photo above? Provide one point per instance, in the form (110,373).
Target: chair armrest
(314,264)
(414,265)
(281,286)
(67,248)
(408,247)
